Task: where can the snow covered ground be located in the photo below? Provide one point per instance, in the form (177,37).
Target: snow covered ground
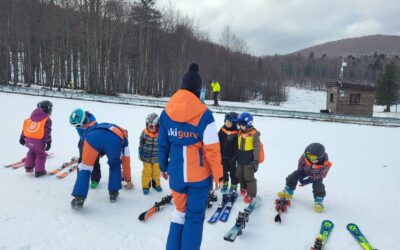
(35,213)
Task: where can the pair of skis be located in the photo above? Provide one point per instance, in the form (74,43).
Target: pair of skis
(154,209)
(72,165)
(224,208)
(242,220)
(326,229)
(167,200)
(22,162)
(281,206)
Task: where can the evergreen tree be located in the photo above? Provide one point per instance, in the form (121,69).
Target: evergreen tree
(388,87)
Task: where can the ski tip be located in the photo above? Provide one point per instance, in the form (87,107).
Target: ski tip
(142,216)
(278,219)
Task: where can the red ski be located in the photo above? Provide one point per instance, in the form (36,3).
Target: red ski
(21,162)
(73,160)
(66,173)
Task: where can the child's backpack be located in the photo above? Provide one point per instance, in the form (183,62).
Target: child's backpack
(261,158)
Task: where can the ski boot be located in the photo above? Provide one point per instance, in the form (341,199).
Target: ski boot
(247,199)
(94,184)
(146,191)
(28,170)
(113,195)
(318,206)
(77,202)
(286,193)
(224,187)
(158,189)
(233,188)
(38,174)
(243,192)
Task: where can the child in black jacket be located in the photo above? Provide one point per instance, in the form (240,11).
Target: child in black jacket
(228,136)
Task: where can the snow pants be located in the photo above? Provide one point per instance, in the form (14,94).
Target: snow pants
(186,229)
(318,186)
(215,97)
(150,172)
(230,171)
(245,174)
(99,141)
(36,156)
(96,173)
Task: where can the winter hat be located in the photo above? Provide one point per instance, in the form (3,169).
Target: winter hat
(192,80)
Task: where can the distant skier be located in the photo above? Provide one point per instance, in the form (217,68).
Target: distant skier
(203,95)
(189,151)
(249,156)
(313,167)
(111,140)
(83,121)
(148,154)
(216,88)
(228,139)
(36,136)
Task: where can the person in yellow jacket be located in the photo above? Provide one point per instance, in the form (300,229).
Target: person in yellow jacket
(216,88)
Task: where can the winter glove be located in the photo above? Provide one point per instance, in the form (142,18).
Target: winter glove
(22,141)
(48,146)
(128,185)
(164,175)
(254,166)
(305,181)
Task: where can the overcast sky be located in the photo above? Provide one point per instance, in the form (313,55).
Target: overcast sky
(284,26)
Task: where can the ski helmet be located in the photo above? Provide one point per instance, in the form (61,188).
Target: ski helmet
(46,106)
(231,116)
(245,119)
(77,118)
(152,121)
(314,152)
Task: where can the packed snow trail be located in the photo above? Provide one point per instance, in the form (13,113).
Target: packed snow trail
(35,213)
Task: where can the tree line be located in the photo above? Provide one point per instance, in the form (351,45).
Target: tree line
(119,46)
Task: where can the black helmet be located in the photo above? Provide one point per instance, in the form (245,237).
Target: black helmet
(315,152)
(46,106)
(231,116)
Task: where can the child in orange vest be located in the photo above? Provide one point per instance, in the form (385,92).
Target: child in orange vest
(36,136)
(148,153)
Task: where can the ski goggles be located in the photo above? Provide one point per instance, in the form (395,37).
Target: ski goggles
(311,157)
(152,127)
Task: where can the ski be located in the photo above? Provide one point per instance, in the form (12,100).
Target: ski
(281,206)
(231,200)
(157,207)
(16,163)
(66,173)
(64,165)
(355,231)
(241,220)
(212,197)
(48,154)
(325,231)
(214,218)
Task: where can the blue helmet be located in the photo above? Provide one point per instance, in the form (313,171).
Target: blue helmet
(245,119)
(77,118)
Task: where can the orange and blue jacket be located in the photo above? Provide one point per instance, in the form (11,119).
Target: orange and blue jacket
(316,171)
(188,145)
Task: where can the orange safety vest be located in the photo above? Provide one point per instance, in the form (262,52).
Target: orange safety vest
(34,130)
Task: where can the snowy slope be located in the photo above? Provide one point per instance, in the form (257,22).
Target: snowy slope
(36,214)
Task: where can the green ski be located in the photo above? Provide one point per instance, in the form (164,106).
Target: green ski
(355,231)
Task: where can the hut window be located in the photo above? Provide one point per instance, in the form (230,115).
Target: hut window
(355,99)
(331,98)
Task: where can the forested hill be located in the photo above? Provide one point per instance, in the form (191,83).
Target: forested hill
(358,46)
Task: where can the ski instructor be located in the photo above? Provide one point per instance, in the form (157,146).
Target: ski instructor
(189,155)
